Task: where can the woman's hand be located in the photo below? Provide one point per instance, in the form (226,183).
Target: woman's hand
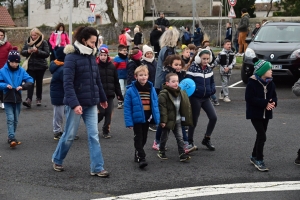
(104,104)
(270,106)
(78,110)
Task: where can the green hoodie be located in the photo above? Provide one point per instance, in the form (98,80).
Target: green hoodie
(167,108)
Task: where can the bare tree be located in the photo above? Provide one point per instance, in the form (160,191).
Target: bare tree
(271,4)
(110,5)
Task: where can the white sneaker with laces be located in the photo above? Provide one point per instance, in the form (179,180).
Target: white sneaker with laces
(221,96)
(226,99)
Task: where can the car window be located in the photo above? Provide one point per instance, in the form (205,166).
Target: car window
(278,34)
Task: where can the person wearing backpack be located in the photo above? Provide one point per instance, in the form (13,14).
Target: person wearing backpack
(187,36)
(198,36)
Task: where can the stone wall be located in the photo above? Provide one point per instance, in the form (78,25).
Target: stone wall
(17,36)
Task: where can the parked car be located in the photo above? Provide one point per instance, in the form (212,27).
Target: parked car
(278,43)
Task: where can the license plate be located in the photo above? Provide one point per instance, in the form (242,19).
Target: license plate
(276,66)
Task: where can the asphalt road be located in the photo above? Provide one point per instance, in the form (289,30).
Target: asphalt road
(26,171)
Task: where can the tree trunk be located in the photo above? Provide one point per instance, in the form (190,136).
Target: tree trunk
(271,4)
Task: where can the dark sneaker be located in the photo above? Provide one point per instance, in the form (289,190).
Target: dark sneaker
(253,160)
(27,103)
(58,168)
(38,102)
(142,163)
(184,157)
(106,136)
(297,161)
(162,155)
(103,174)
(76,137)
(136,158)
(13,142)
(206,142)
(216,103)
(57,136)
(153,127)
(260,165)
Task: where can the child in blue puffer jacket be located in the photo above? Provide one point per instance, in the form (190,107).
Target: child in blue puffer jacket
(141,109)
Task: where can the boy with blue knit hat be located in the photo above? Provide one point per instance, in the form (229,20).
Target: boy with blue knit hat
(11,78)
(261,99)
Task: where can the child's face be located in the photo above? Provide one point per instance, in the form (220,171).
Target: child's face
(103,57)
(123,51)
(173,82)
(186,53)
(227,45)
(204,59)
(177,65)
(268,74)
(142,77)
(14,64)
(149,54)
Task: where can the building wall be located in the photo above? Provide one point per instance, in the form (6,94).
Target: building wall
(135,10)
(59,12)
(180,8)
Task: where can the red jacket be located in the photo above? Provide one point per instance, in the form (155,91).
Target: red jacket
(63,42)
(122,39)
(4,50)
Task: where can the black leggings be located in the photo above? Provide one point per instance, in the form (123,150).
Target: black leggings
(107,113)
(260,126)
(37,76)
(197,104)
(140,138)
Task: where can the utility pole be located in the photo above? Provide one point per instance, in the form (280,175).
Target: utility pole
(70,21)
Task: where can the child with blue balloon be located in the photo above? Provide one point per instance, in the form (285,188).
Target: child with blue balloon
(200,72)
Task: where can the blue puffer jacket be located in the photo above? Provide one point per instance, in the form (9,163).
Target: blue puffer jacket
(204,80)
(82,83)
(133,107)
(57,84)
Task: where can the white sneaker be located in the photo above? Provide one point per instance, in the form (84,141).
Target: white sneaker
(221,96)
(226,99)
(2,106)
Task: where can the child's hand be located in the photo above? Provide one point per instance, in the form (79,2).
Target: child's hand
(9,86)
(270,106)
(162,125)
(226,69)
(19,88)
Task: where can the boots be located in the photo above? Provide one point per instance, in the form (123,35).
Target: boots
(207,143)
(27,103)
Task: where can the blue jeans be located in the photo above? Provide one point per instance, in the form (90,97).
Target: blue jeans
(89,116)
(12,111)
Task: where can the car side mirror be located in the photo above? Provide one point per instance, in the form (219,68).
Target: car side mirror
(248,40)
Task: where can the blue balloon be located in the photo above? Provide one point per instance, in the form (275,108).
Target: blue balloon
(188,85)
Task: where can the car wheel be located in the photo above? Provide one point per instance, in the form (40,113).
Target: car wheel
(244,75)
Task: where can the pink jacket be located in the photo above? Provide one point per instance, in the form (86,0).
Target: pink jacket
(64,39)
(4,50)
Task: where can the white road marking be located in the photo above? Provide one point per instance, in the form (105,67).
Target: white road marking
(232,86)
(190,192)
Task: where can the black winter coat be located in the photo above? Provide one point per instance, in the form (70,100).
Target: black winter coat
(37,60)
(257,101)
(57,84)
(131,66)
(138,38)
(154,37)
(151,68)
(109,79)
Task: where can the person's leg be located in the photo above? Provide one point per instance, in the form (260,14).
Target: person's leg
(66,141)
(122,85)
(184,134)
(39,84)
(101,113)
(224,85)
(17,108)
(31,89)
(196,108)
(58,117)
(178,135)
(108,115)
(260,127)
(89,117)
(9,111)
(145,128)
(163,139)
(138,140)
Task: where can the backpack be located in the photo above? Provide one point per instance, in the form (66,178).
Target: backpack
(187,36)
(169,51)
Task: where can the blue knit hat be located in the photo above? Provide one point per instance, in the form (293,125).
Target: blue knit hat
(14,55)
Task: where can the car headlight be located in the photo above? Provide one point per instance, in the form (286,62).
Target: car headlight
(295,54)
(250,53)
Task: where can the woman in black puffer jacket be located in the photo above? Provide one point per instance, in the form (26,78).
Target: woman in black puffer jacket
(38,50)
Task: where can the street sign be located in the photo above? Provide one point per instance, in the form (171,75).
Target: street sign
(231,13)
(232,2)
(92,7)
(91,19)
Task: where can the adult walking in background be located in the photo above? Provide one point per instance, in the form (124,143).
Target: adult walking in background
(162,20)
(154,38)
(129,39)
(38,50)
(138,38)
(243,29)
(59,38)
(198,36)
(5,48)
(83,92)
